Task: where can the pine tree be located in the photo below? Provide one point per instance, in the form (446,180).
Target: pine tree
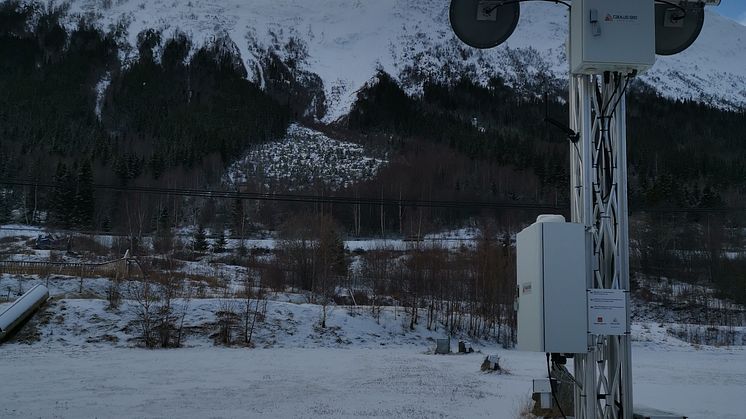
(164,238)
(5,207)
(84,204)
(220,244)
(61,207)
(238,218)
(331,250)
(199,244)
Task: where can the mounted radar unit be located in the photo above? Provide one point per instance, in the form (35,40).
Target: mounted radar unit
(484,24)
(678,24)
(612,35)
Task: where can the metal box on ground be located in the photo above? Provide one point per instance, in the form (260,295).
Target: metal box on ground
(612,35)
(543,388)
(443,346)
(552,308)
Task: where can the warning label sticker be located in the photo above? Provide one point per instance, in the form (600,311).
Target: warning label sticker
(607,312)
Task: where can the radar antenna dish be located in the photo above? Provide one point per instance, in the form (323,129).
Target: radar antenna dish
(484,24)
(676,28)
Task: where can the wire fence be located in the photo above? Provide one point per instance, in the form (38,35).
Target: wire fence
(120,268)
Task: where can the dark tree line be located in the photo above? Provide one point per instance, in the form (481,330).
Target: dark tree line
(177,112)
(681,153)
(72,202)
(71,114)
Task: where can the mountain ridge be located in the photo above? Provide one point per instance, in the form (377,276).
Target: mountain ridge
(344,43)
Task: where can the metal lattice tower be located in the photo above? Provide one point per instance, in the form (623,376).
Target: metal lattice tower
(599,201)
(617,37)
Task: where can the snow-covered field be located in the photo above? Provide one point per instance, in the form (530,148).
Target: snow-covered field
(341,383)
(84,365)
(284,383)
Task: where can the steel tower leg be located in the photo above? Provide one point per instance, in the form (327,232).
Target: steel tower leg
(599,200)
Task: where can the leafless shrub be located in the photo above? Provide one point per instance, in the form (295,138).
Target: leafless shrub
(362,298)
(145,298)
(166,319)
(87,244)
(159,314)
(13,240)
(376,273)
(252,309)
(167,263)
(163,242)
(246,260)
(114,294)
(124,243)
(227,321)
(186,255)
(55,256)
(525,408)
(272,277)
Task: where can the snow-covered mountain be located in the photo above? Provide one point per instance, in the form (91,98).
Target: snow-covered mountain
(344,42)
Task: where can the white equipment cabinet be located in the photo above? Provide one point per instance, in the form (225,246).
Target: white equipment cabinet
(552,308)
(612,35)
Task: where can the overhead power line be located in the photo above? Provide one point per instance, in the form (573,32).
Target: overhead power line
(297,198)
(345,200)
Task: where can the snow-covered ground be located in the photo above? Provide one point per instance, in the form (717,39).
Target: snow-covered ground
(340,383)
(20,230)
(84,364)
(284,383)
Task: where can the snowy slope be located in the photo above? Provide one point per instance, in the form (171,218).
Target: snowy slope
(305,158)
(347,40)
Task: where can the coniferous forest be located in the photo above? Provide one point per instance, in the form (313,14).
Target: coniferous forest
(73,114)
